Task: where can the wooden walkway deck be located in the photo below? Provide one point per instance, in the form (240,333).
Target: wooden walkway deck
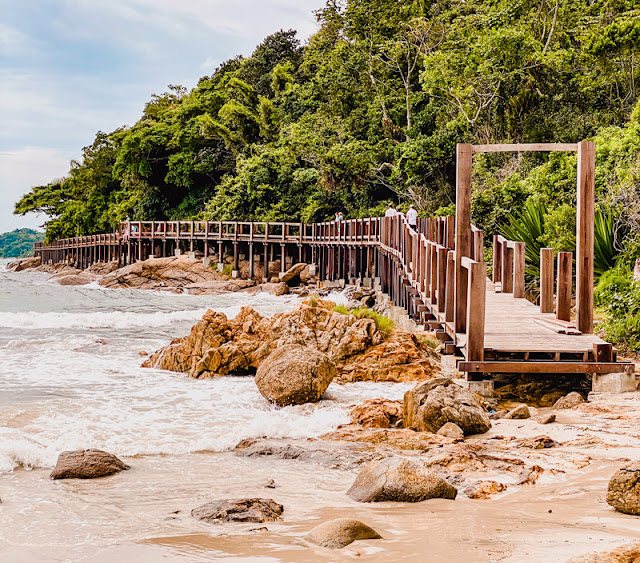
(436,272)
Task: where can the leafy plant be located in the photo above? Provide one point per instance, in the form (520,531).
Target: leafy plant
(385,325)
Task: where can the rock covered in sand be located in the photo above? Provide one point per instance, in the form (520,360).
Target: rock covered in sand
(432,404)
(294,375)
(87,464)
(451,430)
(339,533)
(484,490)
(519,413)
(624,489)
(239,510)
(569,401)
(377,413)
(401,480)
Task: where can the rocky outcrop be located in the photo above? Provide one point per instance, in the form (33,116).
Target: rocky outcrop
(86,464)
(339,533)
(569,401)
(432,404)
(178,273)
(401,480)
(294,374)
(401,357)
(377,413)
(624,489)
(239,510)
(219,346)
(293,274)
(24,264)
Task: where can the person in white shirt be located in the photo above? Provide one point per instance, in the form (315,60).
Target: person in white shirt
(412,216)
(390,212)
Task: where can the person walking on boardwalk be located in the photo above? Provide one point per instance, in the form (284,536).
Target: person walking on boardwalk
(390,212)
(412,217)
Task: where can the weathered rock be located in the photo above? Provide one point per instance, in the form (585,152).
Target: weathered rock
(339,533)
(216,287)
(294,375)
(378,413)
(280,289)
(401,480)
(520,412)
(397,438)
(569,401)
(432,404)
(175,272)
(484,489)
(624,489)
(74,279)
(24,263)
(451,430)
(545,418)
(293,273)
(239,510)
(218,346)
(629,553)
(86,464)
(402,356)
(536,443)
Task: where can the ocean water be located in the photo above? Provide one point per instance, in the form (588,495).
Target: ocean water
(70,377)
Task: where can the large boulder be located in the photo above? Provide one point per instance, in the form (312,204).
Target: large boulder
(624,489)
(86,464)
(397,479)
(24,263)
(239,510)
(432,404)
(339,533)
(293,273)
(294,375)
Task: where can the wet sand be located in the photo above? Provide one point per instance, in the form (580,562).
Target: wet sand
(142,515)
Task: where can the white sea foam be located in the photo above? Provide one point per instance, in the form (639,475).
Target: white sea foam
(70,378)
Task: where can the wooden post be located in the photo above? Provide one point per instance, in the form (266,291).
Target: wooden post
(563,298)
(475,311)
(519,261)
(546,280)
(507,269)
(478,246)
(251,265)
(463,231)
(449,293)
(584,236)
(496,267)
(442,278)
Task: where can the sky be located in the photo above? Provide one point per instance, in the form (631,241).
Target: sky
(71,68)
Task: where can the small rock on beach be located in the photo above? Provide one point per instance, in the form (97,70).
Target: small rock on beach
(339,533)
(87,464)
(239,510)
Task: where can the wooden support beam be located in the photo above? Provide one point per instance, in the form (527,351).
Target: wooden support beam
(546,280)
(507,269)
(585,235)
(476,311)
(449,292)
(544,367)
(564,285)
(526,147)
(519,263)
(496,267)
(603,352)
(464,154)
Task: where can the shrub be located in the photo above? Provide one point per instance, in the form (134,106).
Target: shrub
(385,325)
(619,296)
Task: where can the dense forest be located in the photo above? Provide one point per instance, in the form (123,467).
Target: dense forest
(19,243)
(370,109)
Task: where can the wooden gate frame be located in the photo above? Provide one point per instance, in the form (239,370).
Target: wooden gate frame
(585,210)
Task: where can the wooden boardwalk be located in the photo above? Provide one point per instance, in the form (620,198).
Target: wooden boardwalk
(436,272)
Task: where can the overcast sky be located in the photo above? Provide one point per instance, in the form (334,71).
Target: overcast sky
(70,68)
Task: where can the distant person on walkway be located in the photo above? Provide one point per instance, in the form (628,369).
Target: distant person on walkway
(339,216)
(390,212)
(412,216)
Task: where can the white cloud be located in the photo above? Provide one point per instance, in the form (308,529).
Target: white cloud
(20,171)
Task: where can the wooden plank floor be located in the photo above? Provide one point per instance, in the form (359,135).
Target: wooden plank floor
(510,327)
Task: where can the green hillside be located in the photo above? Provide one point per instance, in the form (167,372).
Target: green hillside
(19,243)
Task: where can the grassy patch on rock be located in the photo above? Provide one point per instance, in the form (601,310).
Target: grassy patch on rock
(385,325)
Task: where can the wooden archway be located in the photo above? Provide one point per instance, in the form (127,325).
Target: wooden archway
(585,209)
